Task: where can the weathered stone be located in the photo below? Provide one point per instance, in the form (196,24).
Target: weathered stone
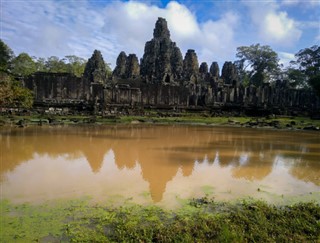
(58,87)
(120,69)
(229,73)
(95,69)
(214,70)
(203,68)
(161,30)
(191,66)
(132,67)
(162,59)
(311,127)
(177,63)
(204,74)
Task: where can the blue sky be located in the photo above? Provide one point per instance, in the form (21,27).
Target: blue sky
(213,28)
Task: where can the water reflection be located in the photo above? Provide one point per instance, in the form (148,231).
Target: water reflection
(155,163)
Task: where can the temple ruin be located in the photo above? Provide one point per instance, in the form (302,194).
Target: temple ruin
(164,79)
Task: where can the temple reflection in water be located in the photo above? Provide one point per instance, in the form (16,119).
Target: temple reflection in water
(156,163)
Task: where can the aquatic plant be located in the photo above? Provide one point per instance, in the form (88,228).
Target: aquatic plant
(201,220)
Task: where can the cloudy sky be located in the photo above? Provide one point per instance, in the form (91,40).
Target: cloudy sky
(214,28)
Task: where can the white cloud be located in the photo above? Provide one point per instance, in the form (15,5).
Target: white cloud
(205,38)
(289,2)
(279,28)
(273,26)
(285,58)
(305,3)
(218,42)
(46,28)
(182,22)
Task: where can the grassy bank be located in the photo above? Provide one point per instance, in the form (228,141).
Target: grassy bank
(200,220)
(183,118)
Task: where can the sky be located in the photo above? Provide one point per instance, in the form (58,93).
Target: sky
(213,28)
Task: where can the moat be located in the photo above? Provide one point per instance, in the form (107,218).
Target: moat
(162,164)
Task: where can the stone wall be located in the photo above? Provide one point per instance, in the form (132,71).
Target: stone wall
(64,88)
(58,87)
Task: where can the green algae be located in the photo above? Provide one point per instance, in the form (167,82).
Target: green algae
(199,220)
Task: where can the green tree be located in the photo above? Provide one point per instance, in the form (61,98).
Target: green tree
(75,65)
(95,69)
(308,60)
(296,77)
(12,94)
(305,70)
(259,63)
(6,55)
(23,65)
(108,70)
(242,73)
(314,82)
(41,64)
(55,65)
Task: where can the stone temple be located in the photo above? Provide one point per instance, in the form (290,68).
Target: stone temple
(164,79)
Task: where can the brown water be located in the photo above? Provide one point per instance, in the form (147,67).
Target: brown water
(158,164)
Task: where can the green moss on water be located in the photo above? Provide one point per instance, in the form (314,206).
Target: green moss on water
(200,220)
(207,189)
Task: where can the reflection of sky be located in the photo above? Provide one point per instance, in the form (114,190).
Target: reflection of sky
(156,163)
(45,178)
(60,178)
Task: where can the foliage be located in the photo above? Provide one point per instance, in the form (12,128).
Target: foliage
(309,60)
(242,73)
(12,94)
(6,55)
(203,221)
(95,69)
(75,65)
(305,70)
(261,61)
(55,65)
(22,65)
(297,78)
(314,82)
(40,64)
(108,70)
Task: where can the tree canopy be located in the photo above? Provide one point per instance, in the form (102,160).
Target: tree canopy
(11,91)
(257,62)
(23,65)
(305,70)
(6,55)
(12,94)
(308,60)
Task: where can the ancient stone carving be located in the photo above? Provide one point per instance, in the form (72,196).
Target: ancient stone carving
(229,73)
(127,66)
(162,59)
(132,67)
(203,68)
(120,69)
(191,66)
(95,69)
(214,70)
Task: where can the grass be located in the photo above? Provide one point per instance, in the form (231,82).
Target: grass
(183,118)
(201,220)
